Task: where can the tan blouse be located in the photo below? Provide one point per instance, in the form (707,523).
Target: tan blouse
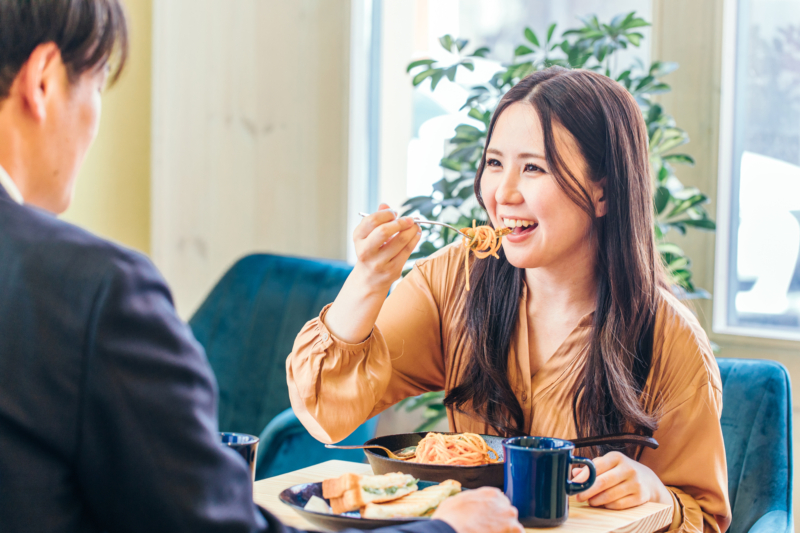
(335,386)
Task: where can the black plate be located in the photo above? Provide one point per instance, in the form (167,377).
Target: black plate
(297,497)
(470,477)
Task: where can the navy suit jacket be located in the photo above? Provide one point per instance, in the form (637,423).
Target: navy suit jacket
(108,416)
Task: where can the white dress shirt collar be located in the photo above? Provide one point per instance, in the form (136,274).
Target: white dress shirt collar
(11,188)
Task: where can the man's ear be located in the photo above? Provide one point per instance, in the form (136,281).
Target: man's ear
(599,198)
(39,79)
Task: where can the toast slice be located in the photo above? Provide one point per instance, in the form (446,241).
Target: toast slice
(351,491)
(334,488)
(419,503)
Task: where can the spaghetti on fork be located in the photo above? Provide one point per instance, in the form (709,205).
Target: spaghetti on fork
(483,241)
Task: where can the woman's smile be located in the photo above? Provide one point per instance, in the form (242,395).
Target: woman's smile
(522,229)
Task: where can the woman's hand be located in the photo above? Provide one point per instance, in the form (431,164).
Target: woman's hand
(383,245)
(621,483)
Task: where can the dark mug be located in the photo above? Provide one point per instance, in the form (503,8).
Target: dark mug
(245,445)
(537,481)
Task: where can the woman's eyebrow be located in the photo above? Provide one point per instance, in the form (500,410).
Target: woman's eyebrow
(529,155)
(523,155)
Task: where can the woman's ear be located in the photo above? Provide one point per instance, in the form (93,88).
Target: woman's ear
(599,198)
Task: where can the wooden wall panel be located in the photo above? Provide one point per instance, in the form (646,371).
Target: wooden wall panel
(250,112)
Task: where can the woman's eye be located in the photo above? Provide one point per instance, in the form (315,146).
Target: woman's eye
(493,163)
(530,167)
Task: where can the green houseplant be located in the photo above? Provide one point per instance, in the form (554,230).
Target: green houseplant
(593,45)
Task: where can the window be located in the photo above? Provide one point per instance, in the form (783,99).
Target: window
(758,266)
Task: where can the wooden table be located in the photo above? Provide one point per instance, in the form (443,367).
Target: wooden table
(646,518)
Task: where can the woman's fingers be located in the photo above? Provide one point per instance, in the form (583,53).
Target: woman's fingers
(580,474)
(373,221)
(402,256)
(394,246)
(613,494)
(380,238)
(610,477)
(384,243)
(625,503)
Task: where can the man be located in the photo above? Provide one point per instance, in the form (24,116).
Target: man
(107,403)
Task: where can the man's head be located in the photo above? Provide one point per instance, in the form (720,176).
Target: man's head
(55,58)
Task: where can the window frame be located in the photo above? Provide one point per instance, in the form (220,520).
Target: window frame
(728,185)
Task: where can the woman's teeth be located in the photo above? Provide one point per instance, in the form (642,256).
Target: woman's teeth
(514,223)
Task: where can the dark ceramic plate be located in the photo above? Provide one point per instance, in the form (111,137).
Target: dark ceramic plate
(470,477)
(297,497)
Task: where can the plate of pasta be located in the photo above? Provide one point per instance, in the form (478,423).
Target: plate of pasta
(471,459)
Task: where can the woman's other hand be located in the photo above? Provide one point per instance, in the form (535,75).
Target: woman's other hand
(483,510)
(383,244)
(621,483)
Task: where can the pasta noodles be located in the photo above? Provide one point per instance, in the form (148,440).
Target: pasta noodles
(463,449)
(483,241)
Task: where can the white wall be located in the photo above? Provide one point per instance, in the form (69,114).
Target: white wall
(250,135)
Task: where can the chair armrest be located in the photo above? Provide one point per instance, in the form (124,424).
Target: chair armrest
(774,522)
(285,422)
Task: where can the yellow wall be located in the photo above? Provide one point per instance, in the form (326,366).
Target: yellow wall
(112,197)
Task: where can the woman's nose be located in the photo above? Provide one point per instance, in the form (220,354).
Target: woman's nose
(508,192)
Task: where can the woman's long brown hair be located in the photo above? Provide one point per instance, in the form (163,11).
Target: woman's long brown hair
(608,126)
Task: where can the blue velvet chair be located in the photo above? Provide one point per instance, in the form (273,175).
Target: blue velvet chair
(757,428)
(285,445)
(248,324)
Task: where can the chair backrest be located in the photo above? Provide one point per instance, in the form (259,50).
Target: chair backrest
(286,446)
(248,324)
(757,428)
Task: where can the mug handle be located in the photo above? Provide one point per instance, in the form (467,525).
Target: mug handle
(575,488)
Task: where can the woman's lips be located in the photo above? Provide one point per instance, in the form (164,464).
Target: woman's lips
(520,234)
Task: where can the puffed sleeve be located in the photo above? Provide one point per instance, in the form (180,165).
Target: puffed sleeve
(334,386)
(690,460)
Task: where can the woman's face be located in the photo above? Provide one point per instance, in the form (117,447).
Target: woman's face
(519,191)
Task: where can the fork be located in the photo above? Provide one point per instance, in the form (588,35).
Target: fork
(423,221)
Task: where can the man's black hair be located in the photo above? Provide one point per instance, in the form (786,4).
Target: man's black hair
(87,32)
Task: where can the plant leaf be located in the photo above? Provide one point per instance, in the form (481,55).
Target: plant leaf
(531,37)
(436,78)
(420,62)
(662,68)
(702,223)
(483,51)
(661,199)
(550,31)
(419,78)
(522,50)
(682,159)
(669,248)
(447,42)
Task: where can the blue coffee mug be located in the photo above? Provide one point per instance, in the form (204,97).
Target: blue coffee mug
(245,445)
(537,479)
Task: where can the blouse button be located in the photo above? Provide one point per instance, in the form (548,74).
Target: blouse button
(325,337)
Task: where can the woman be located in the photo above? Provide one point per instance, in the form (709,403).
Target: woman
(572,332)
